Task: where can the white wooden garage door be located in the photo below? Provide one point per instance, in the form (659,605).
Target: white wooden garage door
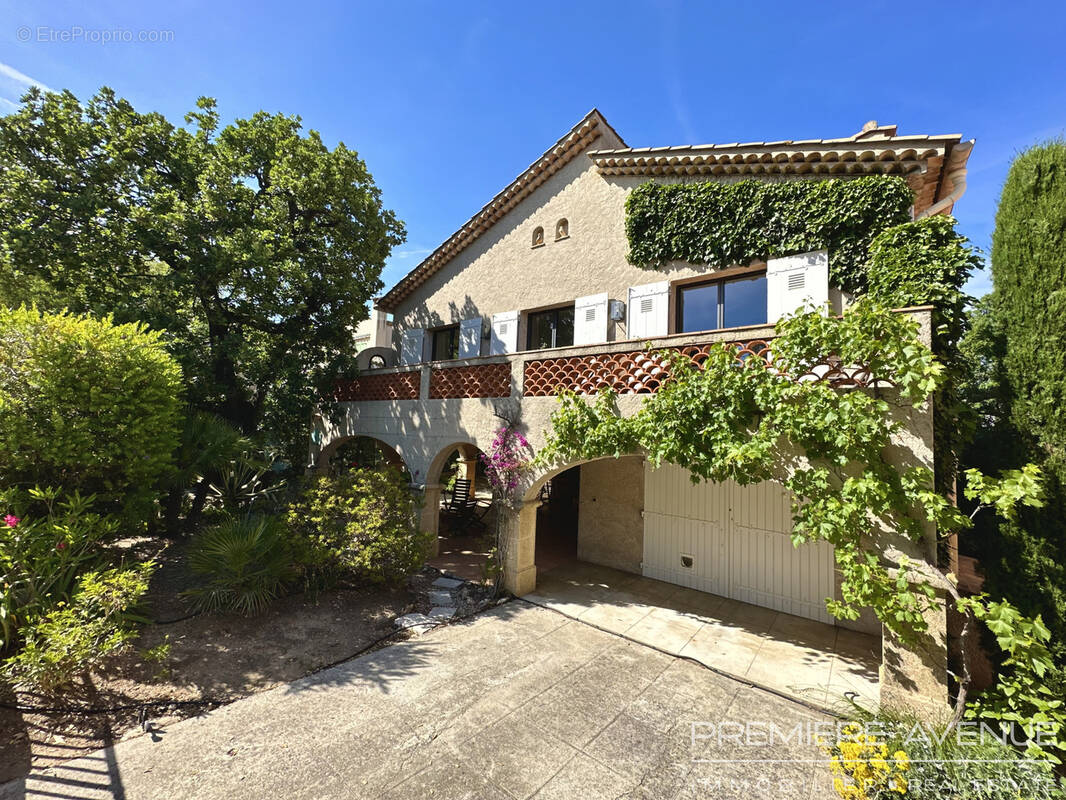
(733,541)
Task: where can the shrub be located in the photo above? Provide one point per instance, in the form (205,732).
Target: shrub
(863,766)
(41,557)
(246,562)
(246,484)
(877,757)
(988,770)
(77,636)
(86,405)
(362,524)
(1022,696)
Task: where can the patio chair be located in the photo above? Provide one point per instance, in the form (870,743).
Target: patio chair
(463,508)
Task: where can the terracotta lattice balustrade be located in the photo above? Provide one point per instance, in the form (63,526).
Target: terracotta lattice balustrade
(389,386)
(644,371)
(481,380)
(630,372)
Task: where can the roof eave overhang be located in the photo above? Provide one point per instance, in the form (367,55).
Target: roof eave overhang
(572,144)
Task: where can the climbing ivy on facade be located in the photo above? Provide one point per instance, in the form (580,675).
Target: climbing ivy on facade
(723,224)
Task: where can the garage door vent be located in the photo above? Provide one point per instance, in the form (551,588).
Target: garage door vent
(687,561)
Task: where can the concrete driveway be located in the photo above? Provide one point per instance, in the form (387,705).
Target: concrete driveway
(518,702)
(823,665)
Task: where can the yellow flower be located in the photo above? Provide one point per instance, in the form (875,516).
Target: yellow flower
(902,760)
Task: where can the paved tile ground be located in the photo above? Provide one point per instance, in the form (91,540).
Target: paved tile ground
(809,660)
(518,702)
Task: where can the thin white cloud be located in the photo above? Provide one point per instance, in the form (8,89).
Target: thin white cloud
(9,72)
(4,102)
(412,253)
(669,39)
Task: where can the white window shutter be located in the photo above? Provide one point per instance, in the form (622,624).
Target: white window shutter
(647,310)
(411,346)
(590,319)
(796,281)
(504,333)
(470,338)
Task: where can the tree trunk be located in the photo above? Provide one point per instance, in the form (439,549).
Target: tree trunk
(172,512)
(236,407)
(199,499)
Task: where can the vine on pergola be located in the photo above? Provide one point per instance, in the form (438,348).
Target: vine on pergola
(833,449)
(829,447)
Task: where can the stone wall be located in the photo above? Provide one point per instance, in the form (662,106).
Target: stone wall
(610,524)
(501,271)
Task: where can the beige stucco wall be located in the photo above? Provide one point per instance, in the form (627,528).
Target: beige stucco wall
(500,271)
(376,331)
(424,433)
(610,520)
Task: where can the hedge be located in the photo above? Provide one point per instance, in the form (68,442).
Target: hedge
(86,405)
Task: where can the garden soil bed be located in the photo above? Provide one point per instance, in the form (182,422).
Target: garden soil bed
(214,657)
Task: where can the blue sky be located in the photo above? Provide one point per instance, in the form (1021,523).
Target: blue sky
(447,102)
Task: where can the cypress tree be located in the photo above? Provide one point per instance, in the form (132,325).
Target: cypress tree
(1017,354)
(1029,275)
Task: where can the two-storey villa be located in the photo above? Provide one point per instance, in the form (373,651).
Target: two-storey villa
(534,292)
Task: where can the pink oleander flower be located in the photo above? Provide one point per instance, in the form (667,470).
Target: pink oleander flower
(11,520)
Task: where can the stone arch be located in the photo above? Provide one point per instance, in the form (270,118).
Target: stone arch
(470,453)
(538,236)
(562,229)
(536,480)
(519,525)
(390,454)
(467,450)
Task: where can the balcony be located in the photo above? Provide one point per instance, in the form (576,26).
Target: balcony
(627,367)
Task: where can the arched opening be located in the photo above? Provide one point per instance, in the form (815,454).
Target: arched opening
(465,517)
(706,570)
(591,513)
(558,519)
(360,452)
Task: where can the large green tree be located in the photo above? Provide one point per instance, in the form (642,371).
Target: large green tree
(254,246)
(1029,275)
(1016,369)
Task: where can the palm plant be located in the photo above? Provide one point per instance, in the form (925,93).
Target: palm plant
(208,444)
(243,484)
(247,562)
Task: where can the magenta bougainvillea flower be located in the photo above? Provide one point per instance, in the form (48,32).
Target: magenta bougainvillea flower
(506,460)
(11,520)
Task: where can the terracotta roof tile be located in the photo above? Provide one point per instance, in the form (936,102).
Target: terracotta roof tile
(927,162)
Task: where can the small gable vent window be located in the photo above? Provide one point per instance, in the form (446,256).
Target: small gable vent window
(646,305)
(562,230)
(503,328)
(796,280)
(538,237)
(590,315)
